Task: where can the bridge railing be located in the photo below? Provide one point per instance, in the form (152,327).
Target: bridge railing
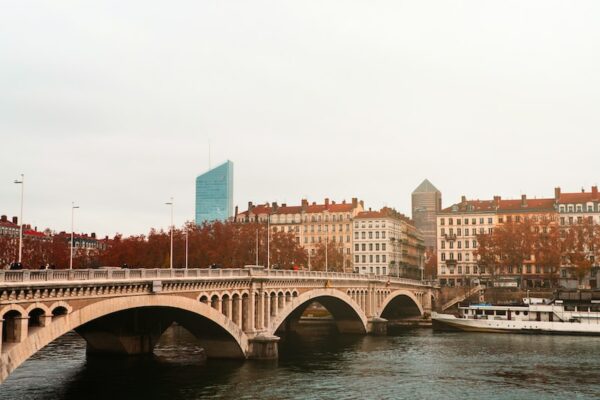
(158,274)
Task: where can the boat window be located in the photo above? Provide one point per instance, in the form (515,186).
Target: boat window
(500,312)
(479,312)
(517,312)
(525,313)
(489,312)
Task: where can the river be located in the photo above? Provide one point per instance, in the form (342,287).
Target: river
(417,364)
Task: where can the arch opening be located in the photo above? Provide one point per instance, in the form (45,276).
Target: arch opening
(59,311)
(401,307)
(11,327)
(35,318)
(137,330)
(325,313)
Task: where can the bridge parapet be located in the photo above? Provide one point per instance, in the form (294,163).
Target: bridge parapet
(34,276)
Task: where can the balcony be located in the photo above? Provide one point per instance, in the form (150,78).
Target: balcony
(450,236)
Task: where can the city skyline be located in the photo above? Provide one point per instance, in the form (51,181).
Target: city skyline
(351,107)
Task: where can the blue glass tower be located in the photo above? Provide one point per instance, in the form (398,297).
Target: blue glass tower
(214,194)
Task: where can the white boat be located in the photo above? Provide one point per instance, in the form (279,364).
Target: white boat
(532,317)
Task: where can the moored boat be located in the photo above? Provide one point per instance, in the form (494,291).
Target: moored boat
(540,316)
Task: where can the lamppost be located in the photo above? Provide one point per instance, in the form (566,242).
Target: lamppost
(170,203)
(186,246)
(326,251)
(268,241)
(22,183)
(73,207)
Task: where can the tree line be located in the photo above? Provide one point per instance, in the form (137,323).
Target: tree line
(226,244)
(541,245)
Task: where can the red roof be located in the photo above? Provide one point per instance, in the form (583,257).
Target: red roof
(310,208)
(581,197)
(31,232)
(525,205)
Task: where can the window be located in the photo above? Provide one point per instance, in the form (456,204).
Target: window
(377,247)
(501,220)
(376,235)
(458,232)
(377,258)
(383,235)
(481,220)
(443,244)
(364,247)
(355,235)
(466,244)
(466,231)
(370,246)
(357,259)
(443,256)
(467,269)
(364,258)
(450,221)
(443,231)
(383,246)
(460,269)
(442,221)
(363,235)
(459,244)
(370,235)
(451,244)
(490,220)
(466,221)
(459,256)
(356,247)
(371,258)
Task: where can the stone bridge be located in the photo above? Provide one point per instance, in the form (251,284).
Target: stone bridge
(234,313)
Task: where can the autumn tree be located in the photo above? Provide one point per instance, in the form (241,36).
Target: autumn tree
(335,257)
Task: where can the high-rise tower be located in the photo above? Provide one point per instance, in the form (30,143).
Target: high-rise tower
(426,202)
(214,194)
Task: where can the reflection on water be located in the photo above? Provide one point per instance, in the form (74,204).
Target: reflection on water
(416,364)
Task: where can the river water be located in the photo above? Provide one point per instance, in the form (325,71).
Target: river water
(417,364)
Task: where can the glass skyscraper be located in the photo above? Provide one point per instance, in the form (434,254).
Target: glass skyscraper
(214,194)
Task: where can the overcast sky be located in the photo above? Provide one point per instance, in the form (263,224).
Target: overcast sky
(112,104)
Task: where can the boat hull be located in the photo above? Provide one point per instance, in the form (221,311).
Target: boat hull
(443,322)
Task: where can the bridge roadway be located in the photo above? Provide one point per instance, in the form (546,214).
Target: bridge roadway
(235,313)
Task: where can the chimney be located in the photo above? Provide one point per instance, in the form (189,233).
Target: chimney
(344,202)
(497,200)
(595,192)
(333,202)
(354,202)
(250,206)
(582,190)
(236,211)
(274,206)
(463,199)
(362,204)
(3,218)
(556,193)
(304,204)
(93,235)
(523,200)
(15,220)
(326,202)
(283,204)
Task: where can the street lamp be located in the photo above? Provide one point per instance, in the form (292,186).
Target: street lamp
(326,251)
(73,207)
(170,203)
(22,183)
(268,241)
(187,232)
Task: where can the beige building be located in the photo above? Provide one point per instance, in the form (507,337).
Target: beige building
(311,223)
(386,242)
(459,225)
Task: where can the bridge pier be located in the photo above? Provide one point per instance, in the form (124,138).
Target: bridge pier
(263,347)
(377,326)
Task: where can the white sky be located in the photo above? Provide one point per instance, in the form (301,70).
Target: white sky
(111,104)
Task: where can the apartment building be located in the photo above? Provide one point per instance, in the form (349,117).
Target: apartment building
(459,225)
(386,242)
(312,224)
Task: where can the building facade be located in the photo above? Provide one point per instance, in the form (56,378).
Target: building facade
(459,225)
(426,203)
(386,242)
(312,224)
(214,194)
(578,208)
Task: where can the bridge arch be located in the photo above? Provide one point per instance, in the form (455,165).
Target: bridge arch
(348,315)
(400,303)
(11,358)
